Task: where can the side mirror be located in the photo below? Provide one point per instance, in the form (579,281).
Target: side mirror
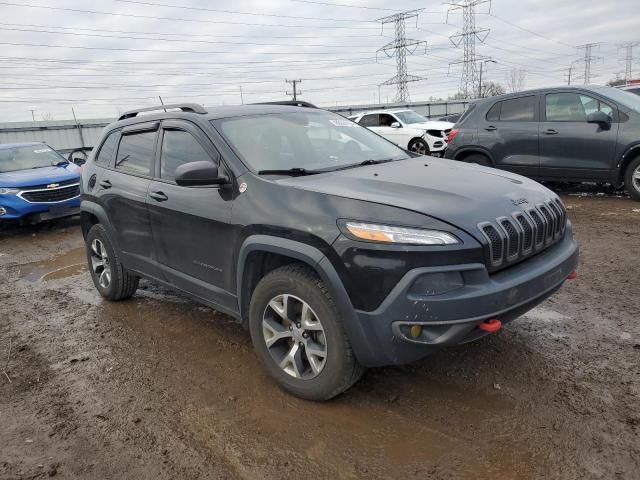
(396,125)
(600,118)
(201,173)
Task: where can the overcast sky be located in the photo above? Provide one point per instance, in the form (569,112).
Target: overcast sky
(105,57)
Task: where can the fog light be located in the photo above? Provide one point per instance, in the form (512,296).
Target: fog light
(3,211)
(415,331)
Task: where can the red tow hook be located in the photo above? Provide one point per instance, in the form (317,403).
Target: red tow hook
(572,275)
(490,326)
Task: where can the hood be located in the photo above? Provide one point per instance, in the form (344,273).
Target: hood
(457,193)
(39,176)
(432,125)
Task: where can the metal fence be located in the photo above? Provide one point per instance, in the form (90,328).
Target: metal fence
(67,135)
(62,135)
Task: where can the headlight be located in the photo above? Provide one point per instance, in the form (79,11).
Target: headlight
(390,234)
(8,191)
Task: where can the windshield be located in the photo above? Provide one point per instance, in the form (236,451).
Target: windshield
(310,140)
(25,158)
(409,116)
(623,97)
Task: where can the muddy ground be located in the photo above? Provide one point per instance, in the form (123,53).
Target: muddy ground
(159,387)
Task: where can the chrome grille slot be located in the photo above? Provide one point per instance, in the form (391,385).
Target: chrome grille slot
(528,232)
(496,242)
(539,226)
(549,222)
(513,238)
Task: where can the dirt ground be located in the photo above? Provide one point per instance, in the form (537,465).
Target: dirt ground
(159,387)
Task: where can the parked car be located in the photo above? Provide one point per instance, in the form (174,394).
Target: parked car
(568,134)
(407,129)
(452,118)
(337,256)
(635,89)
(37,183)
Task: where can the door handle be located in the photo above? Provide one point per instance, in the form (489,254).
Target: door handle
(105,184)
(158,196)
(550,131)
(491,128)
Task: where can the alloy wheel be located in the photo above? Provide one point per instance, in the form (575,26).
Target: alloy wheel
(294,336)
(635,178)
(100,263)
(419,148)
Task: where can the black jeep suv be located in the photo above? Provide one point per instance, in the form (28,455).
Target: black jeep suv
(567,134)
(336,248)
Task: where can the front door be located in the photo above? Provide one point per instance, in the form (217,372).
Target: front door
(191,225)
(571,148)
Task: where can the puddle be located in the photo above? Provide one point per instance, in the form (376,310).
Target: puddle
(68,264)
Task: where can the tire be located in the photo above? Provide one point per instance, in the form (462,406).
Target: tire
(478,158)
(311,376)
(419,146)
(632,178)
(111,279)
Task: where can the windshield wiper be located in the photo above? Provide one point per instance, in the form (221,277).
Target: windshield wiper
(369,161)
(295,171)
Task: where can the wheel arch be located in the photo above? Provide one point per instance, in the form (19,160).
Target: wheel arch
(630,154)
(260,254)
(91,214)
(463,153)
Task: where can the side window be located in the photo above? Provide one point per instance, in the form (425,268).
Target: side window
(108,147)
(179,147)
(386,120)
(518,109)
(566,107)
(593,105)
(136,152)
(493,115)
(370,120)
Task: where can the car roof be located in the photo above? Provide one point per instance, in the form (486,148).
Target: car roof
(216,113)
(5,146)
(391,110)
(593,88)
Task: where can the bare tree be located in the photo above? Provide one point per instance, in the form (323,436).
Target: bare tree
(515,80)
(47,117)
(491,89)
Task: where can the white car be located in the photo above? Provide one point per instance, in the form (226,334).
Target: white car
(407,129)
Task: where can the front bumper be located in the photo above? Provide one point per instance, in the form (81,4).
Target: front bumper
(452,318)
(16,208)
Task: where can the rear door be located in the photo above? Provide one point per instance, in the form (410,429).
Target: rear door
(122,190)
(509,131)
(571,148)
(191,225)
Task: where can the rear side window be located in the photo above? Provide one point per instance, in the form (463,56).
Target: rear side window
(136,152)
(108,147)
(493,115)
(518,109)
(370,120)
(179,147)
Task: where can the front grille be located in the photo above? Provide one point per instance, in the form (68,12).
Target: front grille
(63,183)
(51,195)
(511,239)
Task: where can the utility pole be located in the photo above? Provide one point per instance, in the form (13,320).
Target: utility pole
(399,48)
(488,60)
(241,98)
(569,79)
(469,82)
(33,114)
(162,102)
(295,92)
(587,59)
(78,127)
(628,60)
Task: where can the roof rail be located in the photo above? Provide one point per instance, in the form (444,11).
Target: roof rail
(291,103)
(185,107)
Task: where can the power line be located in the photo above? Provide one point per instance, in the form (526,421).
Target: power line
(529,31)
(176,19)
(399,48)
(469,83)
(216,10)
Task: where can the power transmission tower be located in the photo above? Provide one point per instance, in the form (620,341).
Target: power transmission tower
(469,82)
(628,60)
(399,48)
(587,59)
(295,92)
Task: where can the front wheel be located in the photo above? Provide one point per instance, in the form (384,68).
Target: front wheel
(419,146)
(298,335)
(632,178)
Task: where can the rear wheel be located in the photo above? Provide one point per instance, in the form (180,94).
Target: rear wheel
(298,335)
(419,146)
(479,159)
(111,279)
(632,178)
